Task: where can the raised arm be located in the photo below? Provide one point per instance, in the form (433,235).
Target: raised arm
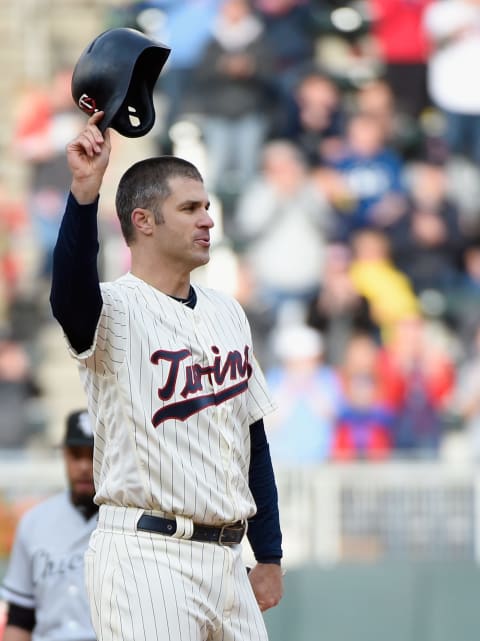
(87,156)
(75,295)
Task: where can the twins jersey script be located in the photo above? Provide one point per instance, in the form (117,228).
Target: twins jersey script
(46,570)
(172,393)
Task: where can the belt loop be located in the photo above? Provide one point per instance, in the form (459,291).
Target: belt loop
(184,528)
(138,516)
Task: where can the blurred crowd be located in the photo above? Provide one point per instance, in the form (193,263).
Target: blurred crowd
(342,143)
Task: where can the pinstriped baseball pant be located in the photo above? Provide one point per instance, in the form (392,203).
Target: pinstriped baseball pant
(144,586)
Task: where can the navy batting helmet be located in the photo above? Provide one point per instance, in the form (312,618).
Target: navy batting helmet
(116,74)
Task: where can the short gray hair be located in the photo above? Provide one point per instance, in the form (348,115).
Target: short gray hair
(146,185)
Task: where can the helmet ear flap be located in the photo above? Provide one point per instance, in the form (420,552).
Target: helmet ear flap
(136,115)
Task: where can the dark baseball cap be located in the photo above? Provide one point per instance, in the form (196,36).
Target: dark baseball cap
(78,429)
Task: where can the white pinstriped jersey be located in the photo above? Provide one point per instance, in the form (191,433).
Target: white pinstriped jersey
(172,392)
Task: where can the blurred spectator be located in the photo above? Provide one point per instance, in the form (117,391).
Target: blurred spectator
(17,391)
(463,299)
(259,313)
(283,223)
(427,242)
(464,191)
(46,122)
(234,97)
(371,177)
(185,27)
(319,119)
(307,393)
(417,375)
(466,396)
(290,29)
(403,47)
(454,27)
(363,425)
(338,310)
(374,275)
(13,227)
(376,98)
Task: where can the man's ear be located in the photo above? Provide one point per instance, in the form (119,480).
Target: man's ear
(143,221)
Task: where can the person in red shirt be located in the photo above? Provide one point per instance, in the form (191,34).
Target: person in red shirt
(403,47)
(417,377)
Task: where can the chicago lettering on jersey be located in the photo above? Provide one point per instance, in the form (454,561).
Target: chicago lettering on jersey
(234,368)
(46,566)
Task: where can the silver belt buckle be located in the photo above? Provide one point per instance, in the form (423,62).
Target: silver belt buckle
(233,527)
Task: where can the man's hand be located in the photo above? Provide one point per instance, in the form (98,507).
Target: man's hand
(267,584)
(87,156)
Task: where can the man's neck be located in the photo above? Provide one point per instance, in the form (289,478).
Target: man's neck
(177,286)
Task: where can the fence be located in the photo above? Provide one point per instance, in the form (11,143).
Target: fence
(372,551)
(379,552)
(423,511)
(414,511)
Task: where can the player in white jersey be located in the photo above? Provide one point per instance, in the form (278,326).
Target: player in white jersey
(181,461)
(44,585)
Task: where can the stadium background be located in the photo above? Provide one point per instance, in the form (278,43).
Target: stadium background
(373,550)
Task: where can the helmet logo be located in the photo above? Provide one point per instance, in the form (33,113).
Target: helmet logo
(87,104)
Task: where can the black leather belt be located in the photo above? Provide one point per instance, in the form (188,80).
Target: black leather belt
(224,535)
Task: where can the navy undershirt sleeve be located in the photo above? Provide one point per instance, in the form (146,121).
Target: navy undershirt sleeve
(264,533)
(75,295)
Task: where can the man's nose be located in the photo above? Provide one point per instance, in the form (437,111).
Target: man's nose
(207,220)
(85,464)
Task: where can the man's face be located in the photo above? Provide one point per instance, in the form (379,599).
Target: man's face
(184,235)
(79,468)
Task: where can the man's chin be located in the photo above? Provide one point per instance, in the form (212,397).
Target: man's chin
(201,258)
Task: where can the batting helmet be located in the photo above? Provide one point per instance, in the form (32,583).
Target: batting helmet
(116,74)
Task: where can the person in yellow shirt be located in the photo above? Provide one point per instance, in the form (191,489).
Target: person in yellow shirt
(387,289)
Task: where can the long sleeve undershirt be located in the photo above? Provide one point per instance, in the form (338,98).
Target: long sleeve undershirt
(75,296)
(76,303)
(263,532)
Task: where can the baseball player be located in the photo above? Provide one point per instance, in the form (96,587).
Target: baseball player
(181,464)
(44,586)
